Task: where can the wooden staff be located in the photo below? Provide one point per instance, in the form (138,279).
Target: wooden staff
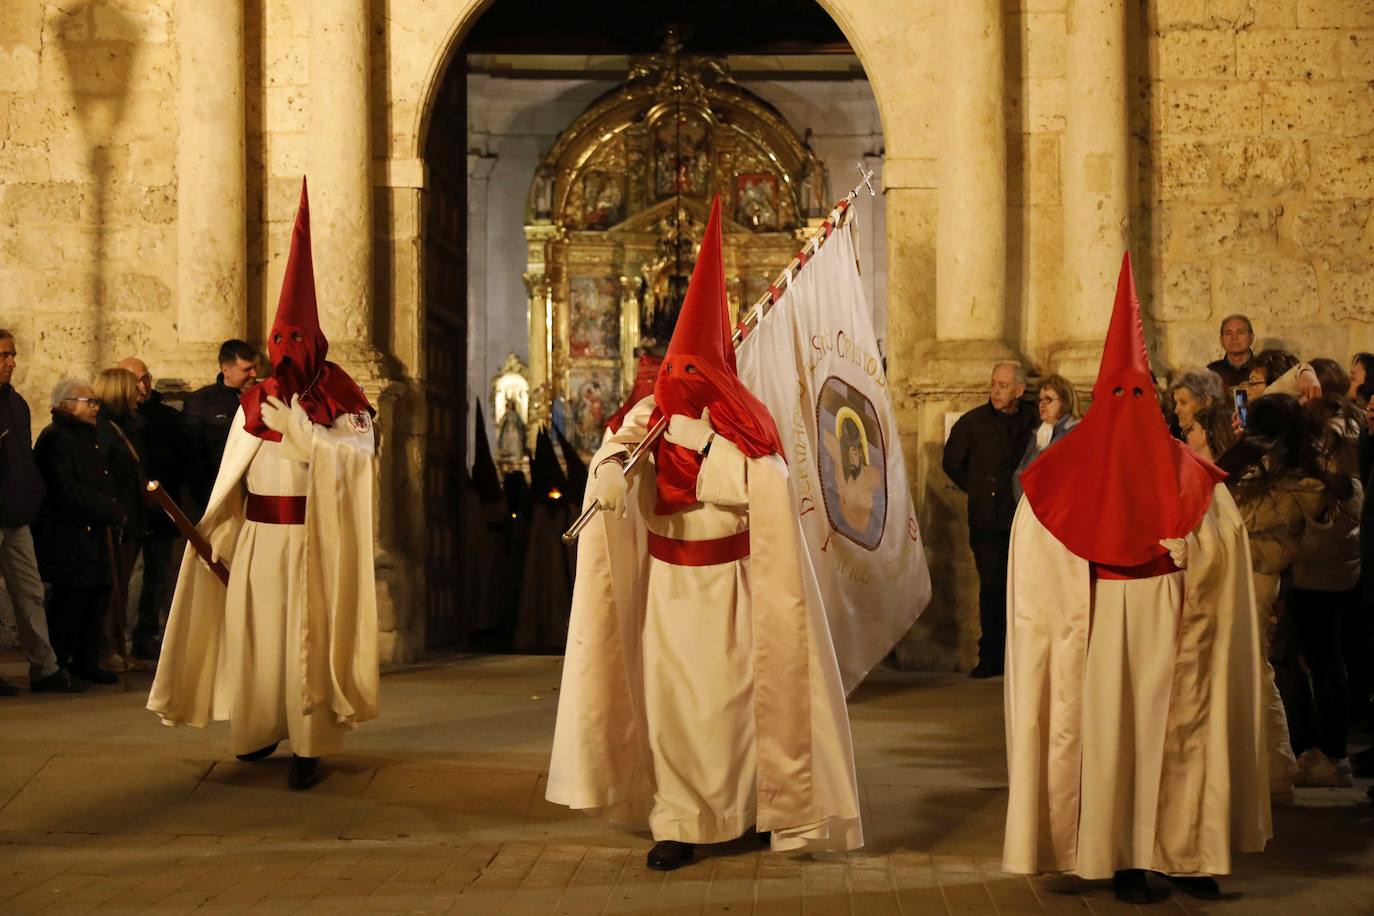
(742,330)
(158,496)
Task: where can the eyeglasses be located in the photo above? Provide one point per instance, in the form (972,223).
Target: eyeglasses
(83,400)
(1050,399)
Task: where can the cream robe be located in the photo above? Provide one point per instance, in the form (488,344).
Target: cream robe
(1133,708)
(289,649)
(702,701)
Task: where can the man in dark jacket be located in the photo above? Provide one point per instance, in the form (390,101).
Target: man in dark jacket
(76,527)
(164,457)
(208,413)
(21,496)
(980,456)
(1237,340)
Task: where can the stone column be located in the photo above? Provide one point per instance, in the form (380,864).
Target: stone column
(341,178)
(541,335)
(1095,172)
(479,367)
(971,253)
(212,228)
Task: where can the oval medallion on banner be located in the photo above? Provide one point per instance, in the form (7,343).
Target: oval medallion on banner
(853,462)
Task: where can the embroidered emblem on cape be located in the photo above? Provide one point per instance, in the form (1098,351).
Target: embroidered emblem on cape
(360,421)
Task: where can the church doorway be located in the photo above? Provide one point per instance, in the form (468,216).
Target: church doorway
(568,170)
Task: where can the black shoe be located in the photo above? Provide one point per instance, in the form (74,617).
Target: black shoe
(57,682)
(670,854)
(1199,888)
(7,689)
(984,670)
(1133,885)
(765,838)
(95,674)
(305,773)
(261,753)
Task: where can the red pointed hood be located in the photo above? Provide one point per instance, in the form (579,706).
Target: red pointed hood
(1119,481)
(699,372)
(297,347)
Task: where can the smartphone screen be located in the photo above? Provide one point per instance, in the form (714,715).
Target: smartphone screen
(1242,405)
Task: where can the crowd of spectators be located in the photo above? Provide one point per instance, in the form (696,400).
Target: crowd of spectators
(1296,438)
(74,523)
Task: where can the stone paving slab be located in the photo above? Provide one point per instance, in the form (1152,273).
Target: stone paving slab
(438,807)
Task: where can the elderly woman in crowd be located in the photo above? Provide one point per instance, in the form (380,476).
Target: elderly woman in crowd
(74,528)
(1059,413)
(1192,391)
(122,433)
(1202,412)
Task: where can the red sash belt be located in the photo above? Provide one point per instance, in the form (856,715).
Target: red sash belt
(699,553)
(1160,566)
(276,510)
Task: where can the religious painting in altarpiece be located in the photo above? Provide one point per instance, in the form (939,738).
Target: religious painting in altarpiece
(615,216)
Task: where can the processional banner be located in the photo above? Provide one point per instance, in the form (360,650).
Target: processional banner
(814,361)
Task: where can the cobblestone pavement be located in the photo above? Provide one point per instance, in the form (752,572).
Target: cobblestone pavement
(438,807)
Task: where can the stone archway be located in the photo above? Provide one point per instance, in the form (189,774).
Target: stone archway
(416,54)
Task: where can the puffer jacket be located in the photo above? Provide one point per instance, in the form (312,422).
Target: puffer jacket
(1328,557)
(1275,522)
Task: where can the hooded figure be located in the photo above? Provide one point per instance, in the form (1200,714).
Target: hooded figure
(289,648)
(541,620)
(700,692)
(483,564)
(1133,660)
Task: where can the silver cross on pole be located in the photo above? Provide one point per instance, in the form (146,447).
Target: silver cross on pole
(866,175)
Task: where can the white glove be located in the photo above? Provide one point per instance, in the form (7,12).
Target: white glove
(276,414)
(1178,551)
(690,433)
(608,487)
(292,422)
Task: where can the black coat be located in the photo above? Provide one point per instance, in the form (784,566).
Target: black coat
(164,457)
(21,487)
(82,504)
(980,456)
(208,413)
(125,448)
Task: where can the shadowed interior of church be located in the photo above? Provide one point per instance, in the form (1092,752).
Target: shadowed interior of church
(570,174)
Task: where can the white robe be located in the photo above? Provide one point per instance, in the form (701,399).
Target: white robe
(1133,721)
(289,649)
(706,700)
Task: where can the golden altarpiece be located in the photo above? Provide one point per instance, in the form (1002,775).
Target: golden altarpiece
(615,216)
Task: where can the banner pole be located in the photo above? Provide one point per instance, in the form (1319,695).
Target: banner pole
(745,327)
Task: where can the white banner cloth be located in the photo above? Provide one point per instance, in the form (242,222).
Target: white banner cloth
(814,361)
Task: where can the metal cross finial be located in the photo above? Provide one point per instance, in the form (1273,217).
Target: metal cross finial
(867,174)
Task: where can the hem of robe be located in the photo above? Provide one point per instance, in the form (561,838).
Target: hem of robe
(702,830)
(1098,871)
(834,834)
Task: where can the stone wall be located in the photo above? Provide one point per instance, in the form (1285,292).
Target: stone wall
(88,189)
(1260,173)
(1247,185)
